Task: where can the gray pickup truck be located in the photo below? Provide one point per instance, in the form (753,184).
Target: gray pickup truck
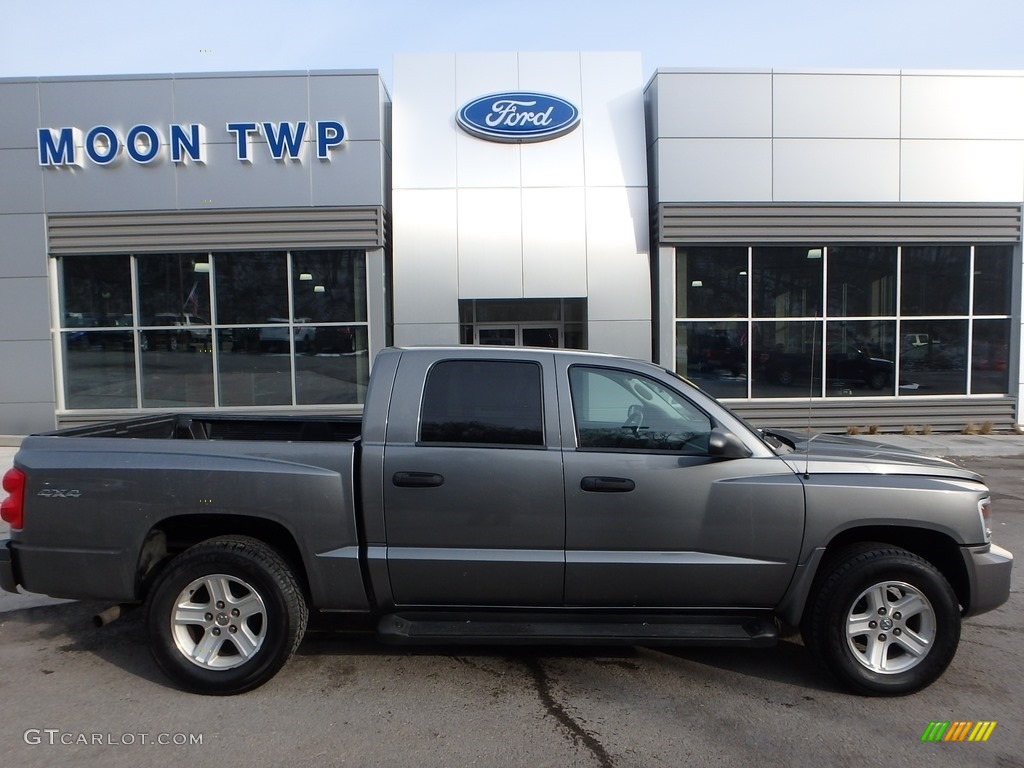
(492,496)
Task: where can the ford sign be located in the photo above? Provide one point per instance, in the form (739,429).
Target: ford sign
(518,116)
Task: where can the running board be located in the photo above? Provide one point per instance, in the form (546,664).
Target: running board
(532,629)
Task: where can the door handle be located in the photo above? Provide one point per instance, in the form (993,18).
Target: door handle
(417,480)
(607,484)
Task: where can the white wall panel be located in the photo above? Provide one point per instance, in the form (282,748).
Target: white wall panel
(963,107)
(714,104)
(346,99)
(424,137)
(836,105)
(630,338)
(613,128)
(123,185)
(426,334)
(20,123)
(354,176)
(224,182)
(714,170)
(618,263)
(21,185)
(216,101)
(426,279)
(25,309)
(33,361)
(483,163)
(118,102)
(23,245)
(559,162)
(836,170)
(490,244)
(962,171)
(554,242)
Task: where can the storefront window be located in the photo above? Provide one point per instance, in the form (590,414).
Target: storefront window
(862,281)
(992,279)
(950,317)
(252,287)
(714,356)
(336,368)
(221,329)
(787,281)
(711,282)
(96,291)
(860,358)
(935,280)
(99,369)
(990,356)
(933,357)
(786,359)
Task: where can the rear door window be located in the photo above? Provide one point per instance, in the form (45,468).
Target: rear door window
(483,402)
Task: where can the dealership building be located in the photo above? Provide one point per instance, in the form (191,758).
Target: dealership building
(834,248)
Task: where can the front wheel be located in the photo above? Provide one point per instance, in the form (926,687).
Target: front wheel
(225,616)
(883,621)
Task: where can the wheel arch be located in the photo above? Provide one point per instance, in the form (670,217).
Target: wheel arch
(937,548)
(174,535)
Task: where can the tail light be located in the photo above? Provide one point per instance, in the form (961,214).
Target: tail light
(12,509)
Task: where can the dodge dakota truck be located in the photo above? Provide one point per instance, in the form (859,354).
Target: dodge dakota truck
(494,496)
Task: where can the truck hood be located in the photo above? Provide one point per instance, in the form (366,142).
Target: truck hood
(834,454)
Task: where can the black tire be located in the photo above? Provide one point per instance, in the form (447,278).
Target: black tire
(864,588)
(784,377)
(203,644)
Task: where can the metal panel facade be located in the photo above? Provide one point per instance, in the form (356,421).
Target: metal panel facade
(561,218)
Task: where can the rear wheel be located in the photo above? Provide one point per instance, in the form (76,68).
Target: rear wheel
(883,621)
(225,616)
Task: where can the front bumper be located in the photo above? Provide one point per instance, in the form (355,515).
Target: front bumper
(8,582)
(988,568)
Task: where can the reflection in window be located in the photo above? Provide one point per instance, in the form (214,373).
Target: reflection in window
(96,291)
(99,369)
(993,271)
(252,287)
(201,317)
(786,359)
(933,357)
(176,380)
(990,371)
(174,289)
(787,281)
(336,369)
(862,280)
(935,279)
(714,356)
(483,402)
(249,377)
(860,357)
(329,286)
(711,282)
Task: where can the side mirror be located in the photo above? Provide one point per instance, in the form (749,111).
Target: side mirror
(725,445)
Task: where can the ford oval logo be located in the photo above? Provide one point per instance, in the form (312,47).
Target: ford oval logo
(518,116)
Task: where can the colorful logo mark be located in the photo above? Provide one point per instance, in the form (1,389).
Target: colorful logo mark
(958,730)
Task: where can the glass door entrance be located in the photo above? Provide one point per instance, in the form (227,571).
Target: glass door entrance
(519,335)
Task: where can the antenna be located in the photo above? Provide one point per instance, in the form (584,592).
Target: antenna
(810,394)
